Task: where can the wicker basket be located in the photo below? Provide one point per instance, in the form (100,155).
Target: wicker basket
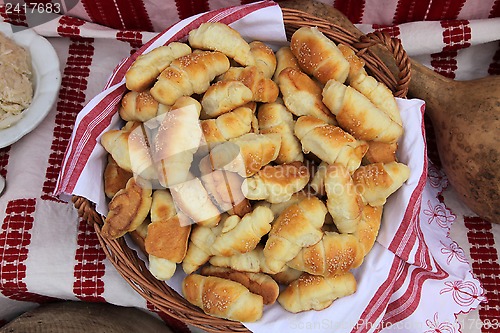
(134,270)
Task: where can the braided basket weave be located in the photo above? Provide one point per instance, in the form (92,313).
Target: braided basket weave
(134,270)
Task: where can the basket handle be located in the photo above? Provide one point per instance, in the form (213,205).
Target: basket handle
(393,53)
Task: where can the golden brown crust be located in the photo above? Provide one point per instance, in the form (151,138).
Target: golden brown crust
(263,89)
(115,178)
(264,58)
(168,239)
(380,152)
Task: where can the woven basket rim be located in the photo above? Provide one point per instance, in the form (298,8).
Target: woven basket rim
(134,270)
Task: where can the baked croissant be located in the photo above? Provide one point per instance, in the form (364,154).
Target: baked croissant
(330,143)
(263,89)
(368,227)
(199,249)
(310,292)
(275,118)
(376,182)
(318,56)
(257,283)
(358,115)
(115,178)
(172,156)
(297,227)
(140,106)
(247,154)
(146,68)
(264,58)
(252,261)
(380,152)
(227,126)
(284,59)
(377,92)
(128,209)
(334,254)
(220,37)
(189,74)
(222,298)
(224,96)
(276,183)
(245,234)
(344,203)
(302,96)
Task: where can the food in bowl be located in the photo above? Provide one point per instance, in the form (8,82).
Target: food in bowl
(16,92)
(259,168)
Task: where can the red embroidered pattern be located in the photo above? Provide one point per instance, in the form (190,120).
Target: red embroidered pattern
(119,14)
(134,38)
(352,9)
(89,269)
(4,160)
(486,267)
(15,238)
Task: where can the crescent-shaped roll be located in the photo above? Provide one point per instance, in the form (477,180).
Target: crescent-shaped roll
(200,246)
(298,227)
(376,182)
(368,227)
(380,152)
(318,56)
(128,209)
(220,37)
(189,74)
(310,292)
(275,118)
(222,298)
(253,261)
(264,58)
(146,68)
(224,96)
(330,143)
(284,59)
(264,89)
(276,183)
(358,115)
(140,106)
(302,96)
(115,178)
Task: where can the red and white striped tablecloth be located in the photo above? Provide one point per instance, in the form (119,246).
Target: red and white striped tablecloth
(48,253)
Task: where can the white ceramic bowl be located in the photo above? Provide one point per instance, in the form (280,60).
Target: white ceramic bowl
(46,82)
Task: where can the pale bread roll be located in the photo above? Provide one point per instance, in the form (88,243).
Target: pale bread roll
(140,106)
(376,182)
(253,261)
(302,96)
(284,59)
(318,56)
(311,292)
(220,37)
(128,209)
(162,206)
(245,235)
(263,89)
(257,283)
(358,115)
(200,246)
(222,298)
(227,126)
(224,96)
(275,118)
(189,74)
(330,143)
(264,58)
(146,68)
(276,183)
(297,227)
(367,229)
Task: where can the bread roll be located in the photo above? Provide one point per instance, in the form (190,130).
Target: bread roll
(253,261)
(146,68)
(334,254)
(368,227)
(227,126)
(128,209)
(344,203)
(187,75)
(140,106)
(357,114)
(220,37)
(115,178)
(311,292)
(302,96)
(275,118)
(222,298)
(276,183)
(257,283)
(168,239)
(224,96)
(376,182)
(245,235)
(200,246)
(377,92)
(284,59)
(318,56)
(297,227)
(380,152)
(330,143)
(162,206)
(264,58)
(263,89)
